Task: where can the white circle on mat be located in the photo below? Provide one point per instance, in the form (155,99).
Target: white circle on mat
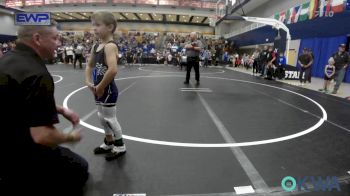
(60,78)
(216,145)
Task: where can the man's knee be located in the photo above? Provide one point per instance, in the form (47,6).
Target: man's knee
(74,167)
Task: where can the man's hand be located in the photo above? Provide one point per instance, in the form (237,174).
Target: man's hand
(74,135)
(71,116)
(188,46)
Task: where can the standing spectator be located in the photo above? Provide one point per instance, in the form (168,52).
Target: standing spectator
(140,57)
(153,51)
(206,57)
(169,58)
(271,58)
(256,61)
(226,58)
(263,61)
(60,51)
(237,61)
(305,60)
(158,58)
(245,60)
(213,56)
(282,61)
(129,57)
(78,51)
(310,73)
(209,57)
(28,117)
(174,48)
(183,58)
(70,52)
(192,52)
(329,72)
(281,65)
(342,60)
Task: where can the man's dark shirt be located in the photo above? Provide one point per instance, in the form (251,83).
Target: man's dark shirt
(305,59)
(26,100)
(341,59)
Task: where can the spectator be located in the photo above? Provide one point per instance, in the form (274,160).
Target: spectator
(271,57)
(78,51)
(281,66)
(342,60)
(256,61)
(69,52)
(305,61)
(310,73)
(60,52)
(329,72)
(263,61)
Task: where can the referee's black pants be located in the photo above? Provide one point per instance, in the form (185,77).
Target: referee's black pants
(192,62)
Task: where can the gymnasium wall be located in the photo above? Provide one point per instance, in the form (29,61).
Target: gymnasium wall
(8,22)
(146,27)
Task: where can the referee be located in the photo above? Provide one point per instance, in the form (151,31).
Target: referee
(192,52)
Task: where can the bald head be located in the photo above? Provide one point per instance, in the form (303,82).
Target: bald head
(43,39)
(193,36)
(25,33)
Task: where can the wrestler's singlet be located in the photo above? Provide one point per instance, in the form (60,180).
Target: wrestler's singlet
(110,95)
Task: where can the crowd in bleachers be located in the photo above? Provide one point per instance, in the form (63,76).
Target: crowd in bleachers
(143,48)
(140,48)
